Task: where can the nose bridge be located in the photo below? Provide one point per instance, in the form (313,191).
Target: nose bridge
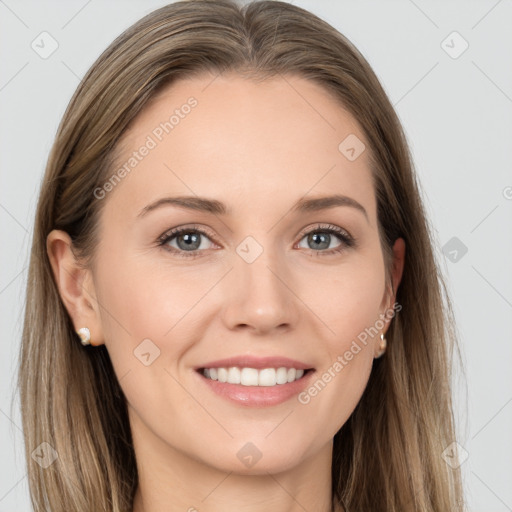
(261,297)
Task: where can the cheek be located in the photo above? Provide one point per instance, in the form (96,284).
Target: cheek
(347,297)
(348,301)
(141,306)
(138,305)
(142,299)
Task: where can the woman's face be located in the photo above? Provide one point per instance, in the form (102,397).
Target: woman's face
(265,276)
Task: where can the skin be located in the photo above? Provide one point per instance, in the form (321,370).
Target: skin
(258,148)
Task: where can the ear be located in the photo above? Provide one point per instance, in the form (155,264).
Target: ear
(75,285)
(397,269)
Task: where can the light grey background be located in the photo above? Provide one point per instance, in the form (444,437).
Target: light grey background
(457,113)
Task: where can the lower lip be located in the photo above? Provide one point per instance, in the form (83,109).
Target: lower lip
(258,396)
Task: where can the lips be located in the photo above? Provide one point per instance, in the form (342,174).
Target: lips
(256,381)
(255,371)
(257,363)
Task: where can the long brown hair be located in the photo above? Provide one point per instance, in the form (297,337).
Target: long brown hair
(387,456)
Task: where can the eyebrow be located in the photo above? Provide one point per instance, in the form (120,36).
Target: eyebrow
(215,207)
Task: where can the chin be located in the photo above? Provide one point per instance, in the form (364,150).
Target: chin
(258,458)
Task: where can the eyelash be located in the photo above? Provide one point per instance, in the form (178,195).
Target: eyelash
(347,240)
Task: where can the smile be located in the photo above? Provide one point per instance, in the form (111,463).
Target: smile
(265,377)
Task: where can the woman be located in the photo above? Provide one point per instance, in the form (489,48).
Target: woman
(233,301)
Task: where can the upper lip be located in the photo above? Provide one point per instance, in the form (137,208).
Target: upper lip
(256,362)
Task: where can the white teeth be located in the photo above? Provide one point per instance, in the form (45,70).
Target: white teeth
(248,377)
(234,376)
(265,377)
(282,376)
(222,374)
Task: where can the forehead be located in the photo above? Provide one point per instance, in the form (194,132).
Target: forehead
(212,135)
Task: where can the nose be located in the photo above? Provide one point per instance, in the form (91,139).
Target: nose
(260,296)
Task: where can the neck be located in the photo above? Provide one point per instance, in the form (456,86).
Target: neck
(172,481)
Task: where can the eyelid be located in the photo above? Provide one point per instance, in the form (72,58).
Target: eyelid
(345,237)
(302,233)
(327,227)
(193,227)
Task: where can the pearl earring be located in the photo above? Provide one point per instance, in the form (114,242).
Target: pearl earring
(85,335)
(382,346)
